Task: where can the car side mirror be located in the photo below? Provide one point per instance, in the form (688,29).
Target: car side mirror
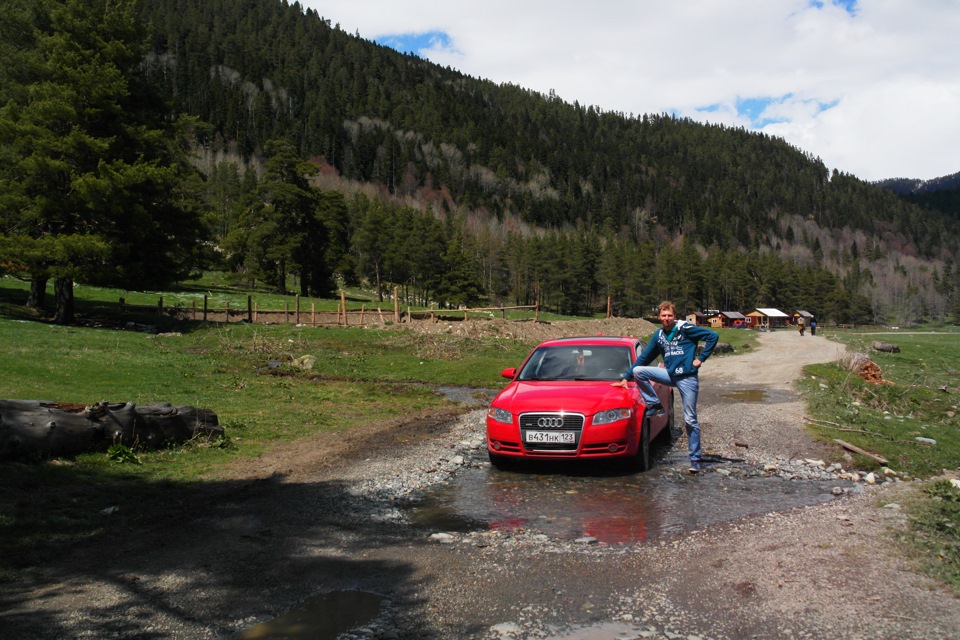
(510,373)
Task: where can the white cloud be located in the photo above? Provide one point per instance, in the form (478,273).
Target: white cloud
(889,68)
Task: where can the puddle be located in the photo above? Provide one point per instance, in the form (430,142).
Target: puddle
(746,395)
(322,617)
(614,509)
(467,395)
(470,396)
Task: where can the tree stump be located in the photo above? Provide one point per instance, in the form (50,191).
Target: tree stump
(864,367)
(34,429)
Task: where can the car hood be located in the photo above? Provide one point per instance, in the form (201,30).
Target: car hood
(578,397)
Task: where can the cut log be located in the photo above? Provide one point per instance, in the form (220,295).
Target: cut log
(886,347)
(33,429)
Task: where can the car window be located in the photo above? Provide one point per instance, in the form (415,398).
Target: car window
(602,362)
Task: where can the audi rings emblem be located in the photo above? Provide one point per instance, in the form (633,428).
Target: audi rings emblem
(550,422)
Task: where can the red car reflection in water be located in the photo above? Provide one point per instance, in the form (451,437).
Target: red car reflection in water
(560,404)
(609,516)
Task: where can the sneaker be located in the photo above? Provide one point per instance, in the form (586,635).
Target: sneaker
(694,467)
(654,409)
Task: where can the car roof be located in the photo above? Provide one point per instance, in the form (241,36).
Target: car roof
(590,340)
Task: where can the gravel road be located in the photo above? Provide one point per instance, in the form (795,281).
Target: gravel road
(330,516)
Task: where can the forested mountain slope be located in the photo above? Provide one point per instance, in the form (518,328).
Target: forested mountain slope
(505,159)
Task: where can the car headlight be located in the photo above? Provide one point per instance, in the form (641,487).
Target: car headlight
(500,415)
(611,415)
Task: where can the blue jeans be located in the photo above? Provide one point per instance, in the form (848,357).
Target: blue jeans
(689,388)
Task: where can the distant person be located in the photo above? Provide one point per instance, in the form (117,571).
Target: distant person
(800,324)
(813,327)
(677,343)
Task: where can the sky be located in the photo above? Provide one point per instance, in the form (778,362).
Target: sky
(870,87)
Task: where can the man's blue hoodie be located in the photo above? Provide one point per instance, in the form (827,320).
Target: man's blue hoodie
(678,348)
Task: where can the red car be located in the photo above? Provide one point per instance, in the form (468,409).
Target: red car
(561,405)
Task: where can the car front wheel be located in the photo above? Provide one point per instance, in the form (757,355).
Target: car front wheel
(641,460)
(499,462)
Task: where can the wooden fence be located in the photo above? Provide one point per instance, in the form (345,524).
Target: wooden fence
(297,315)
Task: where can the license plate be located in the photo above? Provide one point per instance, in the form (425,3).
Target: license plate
(567,437)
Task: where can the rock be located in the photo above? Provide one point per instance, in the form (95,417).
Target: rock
(925,440)
(442,538)
(586,540)
(506,629)
(886,347)
(871,478)
(837,491)
(305,363)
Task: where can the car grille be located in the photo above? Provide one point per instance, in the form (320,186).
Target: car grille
(551,421)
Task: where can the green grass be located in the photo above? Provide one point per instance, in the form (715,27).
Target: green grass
(886,419)
(933,538)
(244,373)
(104,302)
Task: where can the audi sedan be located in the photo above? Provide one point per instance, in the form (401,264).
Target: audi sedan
(561,405)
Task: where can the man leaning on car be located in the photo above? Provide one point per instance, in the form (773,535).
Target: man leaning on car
(677,343)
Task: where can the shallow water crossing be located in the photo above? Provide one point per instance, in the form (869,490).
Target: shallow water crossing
(570,502)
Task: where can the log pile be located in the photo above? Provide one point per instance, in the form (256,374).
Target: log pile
(34,429)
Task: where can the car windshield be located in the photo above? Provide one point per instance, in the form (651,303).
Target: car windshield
(577,363)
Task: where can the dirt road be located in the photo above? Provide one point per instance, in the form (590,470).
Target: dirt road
(217,558)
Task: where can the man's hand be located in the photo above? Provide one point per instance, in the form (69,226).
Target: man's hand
(619,383)
(696,363)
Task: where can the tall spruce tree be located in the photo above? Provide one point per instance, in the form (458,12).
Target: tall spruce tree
(93,172)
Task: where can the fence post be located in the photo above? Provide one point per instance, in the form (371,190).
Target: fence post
(503,313)
(608,307)
(122,302)
(363,312)
(396,307)
(343,303)
(250,309)
(160,306)
(536,311)
(297,315)
(313,313)
(286,312)
(226,313)
(204,307)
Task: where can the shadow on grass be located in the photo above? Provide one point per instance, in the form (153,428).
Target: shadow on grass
(96,314)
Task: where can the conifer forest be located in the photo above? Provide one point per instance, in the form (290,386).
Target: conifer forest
(144,141)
